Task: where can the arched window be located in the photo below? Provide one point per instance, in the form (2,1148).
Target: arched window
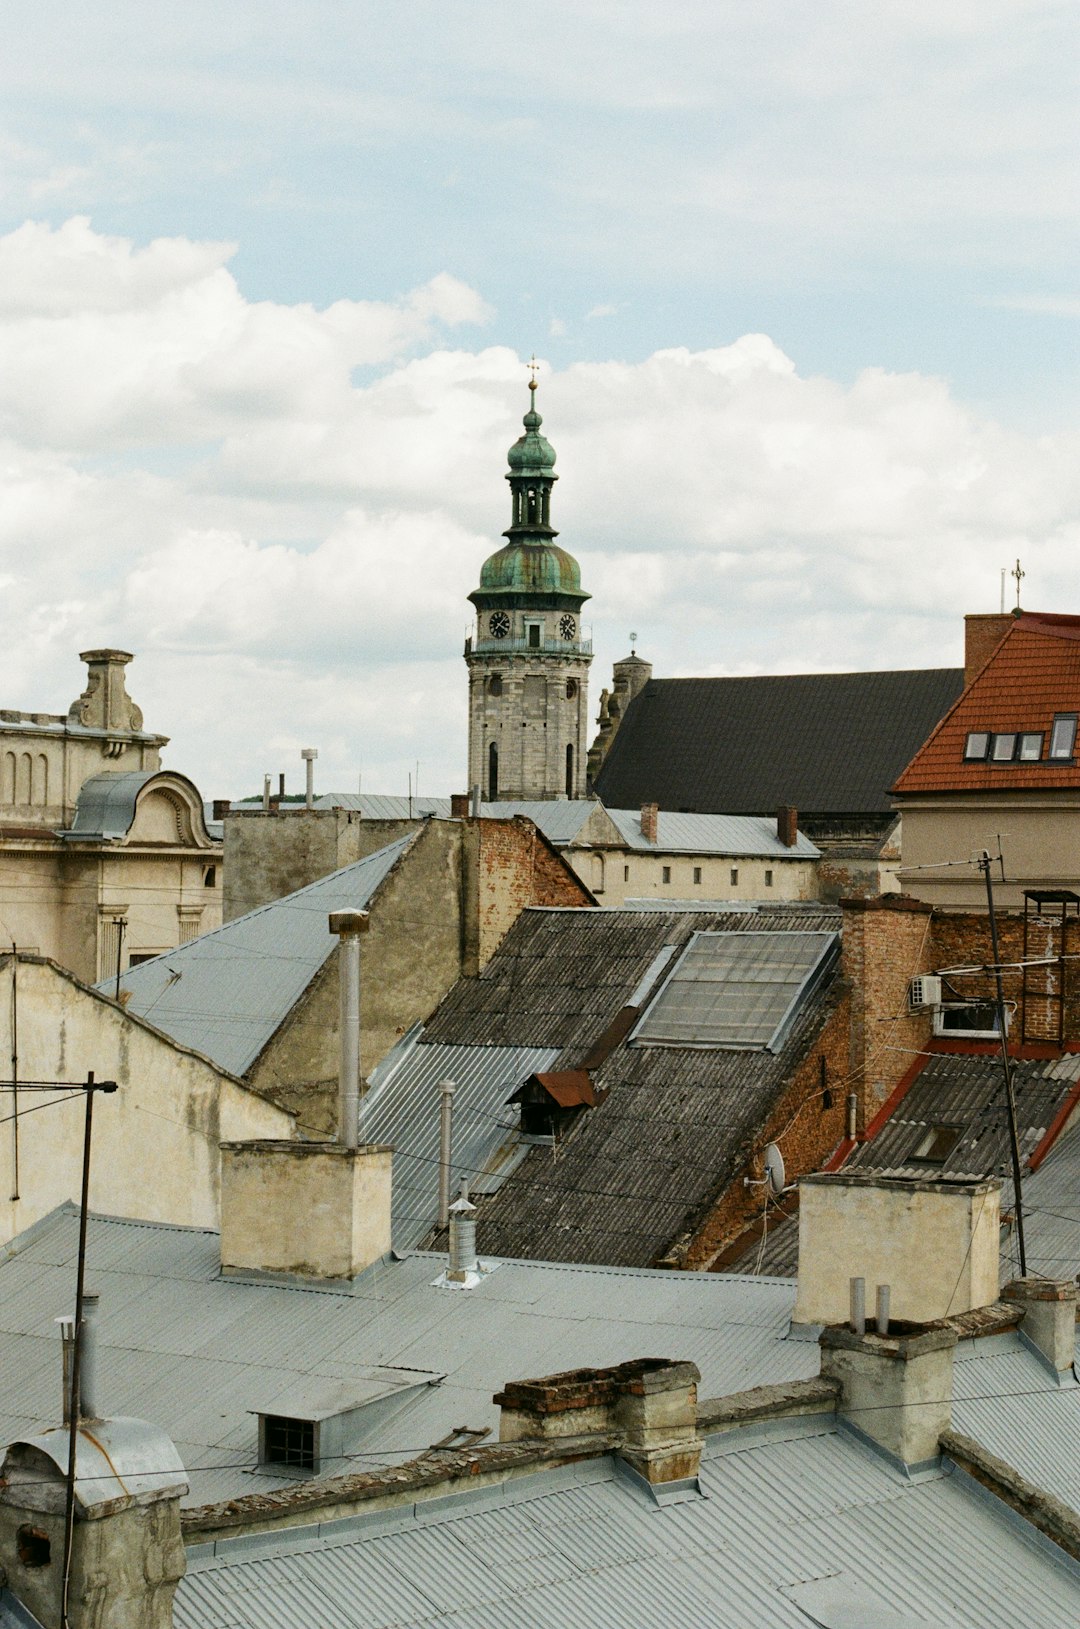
(571,689)
(493,772)
(23,779)
(41,790)
(598,873)
(495,685)
(570,769)
(7,789)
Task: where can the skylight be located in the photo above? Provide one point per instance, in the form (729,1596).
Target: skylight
(739,991)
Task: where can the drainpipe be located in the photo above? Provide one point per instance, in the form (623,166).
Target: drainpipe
(349,925)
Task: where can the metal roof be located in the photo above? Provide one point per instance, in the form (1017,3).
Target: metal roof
(797,1524)
(106,803)
(402,1109)
(994,1380)
(120,1462)
(194,1353)
(1052,1210)
(737,835)
(376,806)
(225,993)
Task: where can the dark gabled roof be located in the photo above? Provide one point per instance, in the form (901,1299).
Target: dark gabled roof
(676,1123)
(829,743)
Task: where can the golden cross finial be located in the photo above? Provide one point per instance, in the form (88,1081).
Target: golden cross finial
(1018,573)
(534,368)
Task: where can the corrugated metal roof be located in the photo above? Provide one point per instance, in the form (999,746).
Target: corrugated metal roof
(226,993)
(994,1381)
(808,1506)
(194,1353)
(743,835)
(402,1108)
(376,806)
(1052,1211)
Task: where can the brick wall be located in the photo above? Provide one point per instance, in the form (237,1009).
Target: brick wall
(886,942)
(962,938)
(515,867)
(807,1121)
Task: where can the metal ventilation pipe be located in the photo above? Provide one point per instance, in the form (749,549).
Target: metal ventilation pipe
(882,1309)
(857,1296)
(474,802)
(463,1258)
(88,1359)
(266,794)
(446,1121)
(349,925)
(309,755)
(852,1116)
(67,1353)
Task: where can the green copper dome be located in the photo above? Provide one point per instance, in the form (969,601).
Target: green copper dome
(531,568)
(532,453)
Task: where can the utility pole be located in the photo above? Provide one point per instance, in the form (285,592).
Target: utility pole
(985,866)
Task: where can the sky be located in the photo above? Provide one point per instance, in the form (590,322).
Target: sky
(803,281)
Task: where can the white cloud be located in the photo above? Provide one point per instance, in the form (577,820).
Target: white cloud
(600,311)
(288,547)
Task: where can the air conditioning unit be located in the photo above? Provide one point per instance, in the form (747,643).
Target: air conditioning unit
(924,991)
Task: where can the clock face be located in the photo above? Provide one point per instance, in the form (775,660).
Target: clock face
(567,627)
(499,624)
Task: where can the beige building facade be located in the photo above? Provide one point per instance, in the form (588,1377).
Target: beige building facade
(155,1154)
(105,858)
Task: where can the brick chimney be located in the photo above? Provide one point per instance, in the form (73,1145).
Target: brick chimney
(649,1404)
(221,808)
(459,806)
(787,825)
(983,633)
(650,819)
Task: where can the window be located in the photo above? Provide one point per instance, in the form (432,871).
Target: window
(493,772)
(737,990)
(977,744)
(534,630)
(210,877)
(665,874)
(571,689)
(975,1019)
(289,1442)
(570,770)
(626,873)
(935,1146)
(137,957)
(1004,748)
(33,1547)
(495,685)
(1063,735)
(734,876)
(1030,748)
(697,876)
(768,879)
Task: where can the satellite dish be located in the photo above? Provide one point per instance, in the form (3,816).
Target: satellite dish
(775,1175)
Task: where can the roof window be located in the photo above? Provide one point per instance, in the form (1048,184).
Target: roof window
(935,1145)
(977,744)
(737,991)
(1063,735)
(1031,746)
(1004,748)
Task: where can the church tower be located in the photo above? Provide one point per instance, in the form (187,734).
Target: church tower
(528,662)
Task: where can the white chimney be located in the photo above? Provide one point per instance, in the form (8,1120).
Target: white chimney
(309,755)
(349,925)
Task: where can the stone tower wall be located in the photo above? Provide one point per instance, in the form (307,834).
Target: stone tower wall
(532,721)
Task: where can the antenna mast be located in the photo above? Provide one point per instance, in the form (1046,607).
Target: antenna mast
(986,865)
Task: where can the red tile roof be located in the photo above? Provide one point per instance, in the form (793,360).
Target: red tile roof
(1031,675)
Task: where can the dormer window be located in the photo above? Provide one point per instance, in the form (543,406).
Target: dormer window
(977,745)
(1063,735)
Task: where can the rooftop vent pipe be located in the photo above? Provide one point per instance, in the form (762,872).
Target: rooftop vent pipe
(88,1360)
(349,925)
(309,755)
(474,802)
(464,1262)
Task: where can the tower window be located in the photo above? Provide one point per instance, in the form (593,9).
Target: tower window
(493,772)
(535,629)
(495,685)
(571,689)
(570,770)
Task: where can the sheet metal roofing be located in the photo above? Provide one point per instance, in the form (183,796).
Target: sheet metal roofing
(829,743)
(106,803)
(798,1526)
(225,993)
(376,806)
(195,1353)
(402,1109)
(1033,675)
(677,1122)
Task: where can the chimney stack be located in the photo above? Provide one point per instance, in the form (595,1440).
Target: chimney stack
(895,1388)
(935,1243)
(650,820)
(1049,1317)
(787,825)
(459,805)
(983,633)
(221,808)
